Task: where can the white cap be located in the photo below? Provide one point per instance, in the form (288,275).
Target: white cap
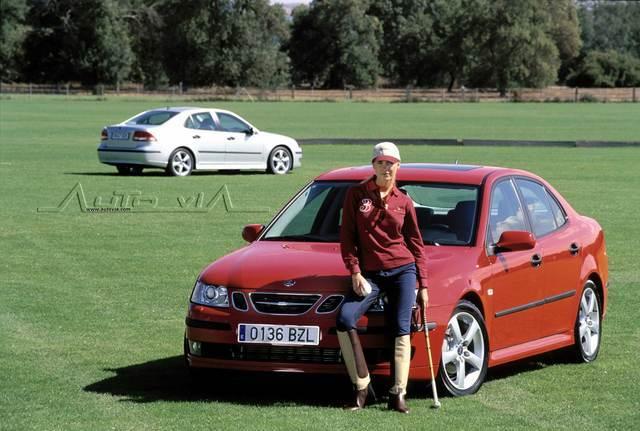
(386,151)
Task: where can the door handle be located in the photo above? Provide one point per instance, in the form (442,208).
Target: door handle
(536,260)
(231,138)
(196,136)
(574,249)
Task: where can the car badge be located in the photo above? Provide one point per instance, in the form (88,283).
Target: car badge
(289,283)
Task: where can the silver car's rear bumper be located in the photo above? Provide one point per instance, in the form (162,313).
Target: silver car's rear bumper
(142,157)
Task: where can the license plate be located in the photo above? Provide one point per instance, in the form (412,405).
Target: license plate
(119,135)
(279,334)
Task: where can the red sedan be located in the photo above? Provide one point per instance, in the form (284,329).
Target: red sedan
(514,271)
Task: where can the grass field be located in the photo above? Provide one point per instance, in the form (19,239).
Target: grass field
(92,305)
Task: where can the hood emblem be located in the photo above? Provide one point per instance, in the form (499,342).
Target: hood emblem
(289,283)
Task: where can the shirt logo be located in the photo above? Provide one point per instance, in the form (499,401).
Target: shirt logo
(365,205)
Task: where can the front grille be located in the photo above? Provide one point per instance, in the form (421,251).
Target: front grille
(286,354)
(283,303)
(264,353)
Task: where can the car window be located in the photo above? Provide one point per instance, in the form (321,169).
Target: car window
(313,216)
(505,211)
(446,212)
(539,208)
(229,123)
(152,118)
(200,121)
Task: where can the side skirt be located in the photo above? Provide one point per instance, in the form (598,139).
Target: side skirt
(531,348)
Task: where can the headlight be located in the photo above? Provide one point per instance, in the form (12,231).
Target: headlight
(210,295)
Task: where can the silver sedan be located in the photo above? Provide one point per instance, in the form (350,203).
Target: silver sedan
(181,140)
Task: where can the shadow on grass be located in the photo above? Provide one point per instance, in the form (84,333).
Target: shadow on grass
(169,380)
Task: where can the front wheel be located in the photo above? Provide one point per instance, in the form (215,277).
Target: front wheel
(465,351)
(181,163)
(587,328)
(280,161)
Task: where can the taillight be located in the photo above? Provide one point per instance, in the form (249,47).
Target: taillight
(103,135)
(141,135)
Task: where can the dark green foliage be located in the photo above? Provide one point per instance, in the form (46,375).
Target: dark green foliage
(12,33)
(81,40)
(335,43)
(514,45)
(224,42)
(606,69)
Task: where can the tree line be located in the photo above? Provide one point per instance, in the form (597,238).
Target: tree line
(327,44)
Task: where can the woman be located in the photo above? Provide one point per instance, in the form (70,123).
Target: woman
(382,248)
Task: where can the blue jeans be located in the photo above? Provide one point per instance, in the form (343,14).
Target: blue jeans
(399,284)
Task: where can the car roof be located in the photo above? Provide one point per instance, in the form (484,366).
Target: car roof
(187,109)
(431,172)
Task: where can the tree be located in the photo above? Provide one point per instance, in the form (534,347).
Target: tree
(146,28)
(84,40)
(409,44)
(514,46)
(606,69)
(12,34)
(565,31)
(225,42)
(335,43)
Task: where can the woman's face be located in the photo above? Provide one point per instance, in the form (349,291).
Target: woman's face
(386,170)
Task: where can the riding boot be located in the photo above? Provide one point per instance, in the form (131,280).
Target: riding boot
(401,362)
(353,357)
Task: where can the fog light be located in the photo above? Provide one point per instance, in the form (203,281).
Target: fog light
(195,348)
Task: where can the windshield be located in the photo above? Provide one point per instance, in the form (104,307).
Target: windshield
(446,213)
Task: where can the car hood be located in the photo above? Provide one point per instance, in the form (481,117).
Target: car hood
(269,264)
(317,267)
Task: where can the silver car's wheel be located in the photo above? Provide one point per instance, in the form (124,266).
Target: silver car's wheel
(465,353)
(280,161)
(587,328)
(180,163)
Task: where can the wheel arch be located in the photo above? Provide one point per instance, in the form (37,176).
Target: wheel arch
(474,298)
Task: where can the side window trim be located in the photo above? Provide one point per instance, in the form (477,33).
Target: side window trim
(548,196)
(489,240)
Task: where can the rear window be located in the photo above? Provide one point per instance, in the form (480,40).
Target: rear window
(152,118)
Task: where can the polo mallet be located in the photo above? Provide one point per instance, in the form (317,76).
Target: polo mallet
(436,403)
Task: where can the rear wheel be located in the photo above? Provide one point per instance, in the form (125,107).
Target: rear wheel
(181,163)
(587,328)
(123,170)
(465,352)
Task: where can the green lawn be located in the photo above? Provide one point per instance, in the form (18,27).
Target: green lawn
(92,305)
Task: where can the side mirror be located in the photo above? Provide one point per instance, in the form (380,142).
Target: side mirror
(251,232)
(515,240)
(250,131)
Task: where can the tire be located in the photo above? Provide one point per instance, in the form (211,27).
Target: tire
(181,163)
(123,170)
(465,351)
(588,326)
(280,161)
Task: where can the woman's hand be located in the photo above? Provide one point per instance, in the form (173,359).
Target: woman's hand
(423,297)
(358,283)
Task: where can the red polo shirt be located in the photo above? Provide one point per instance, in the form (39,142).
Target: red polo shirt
(377,235)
